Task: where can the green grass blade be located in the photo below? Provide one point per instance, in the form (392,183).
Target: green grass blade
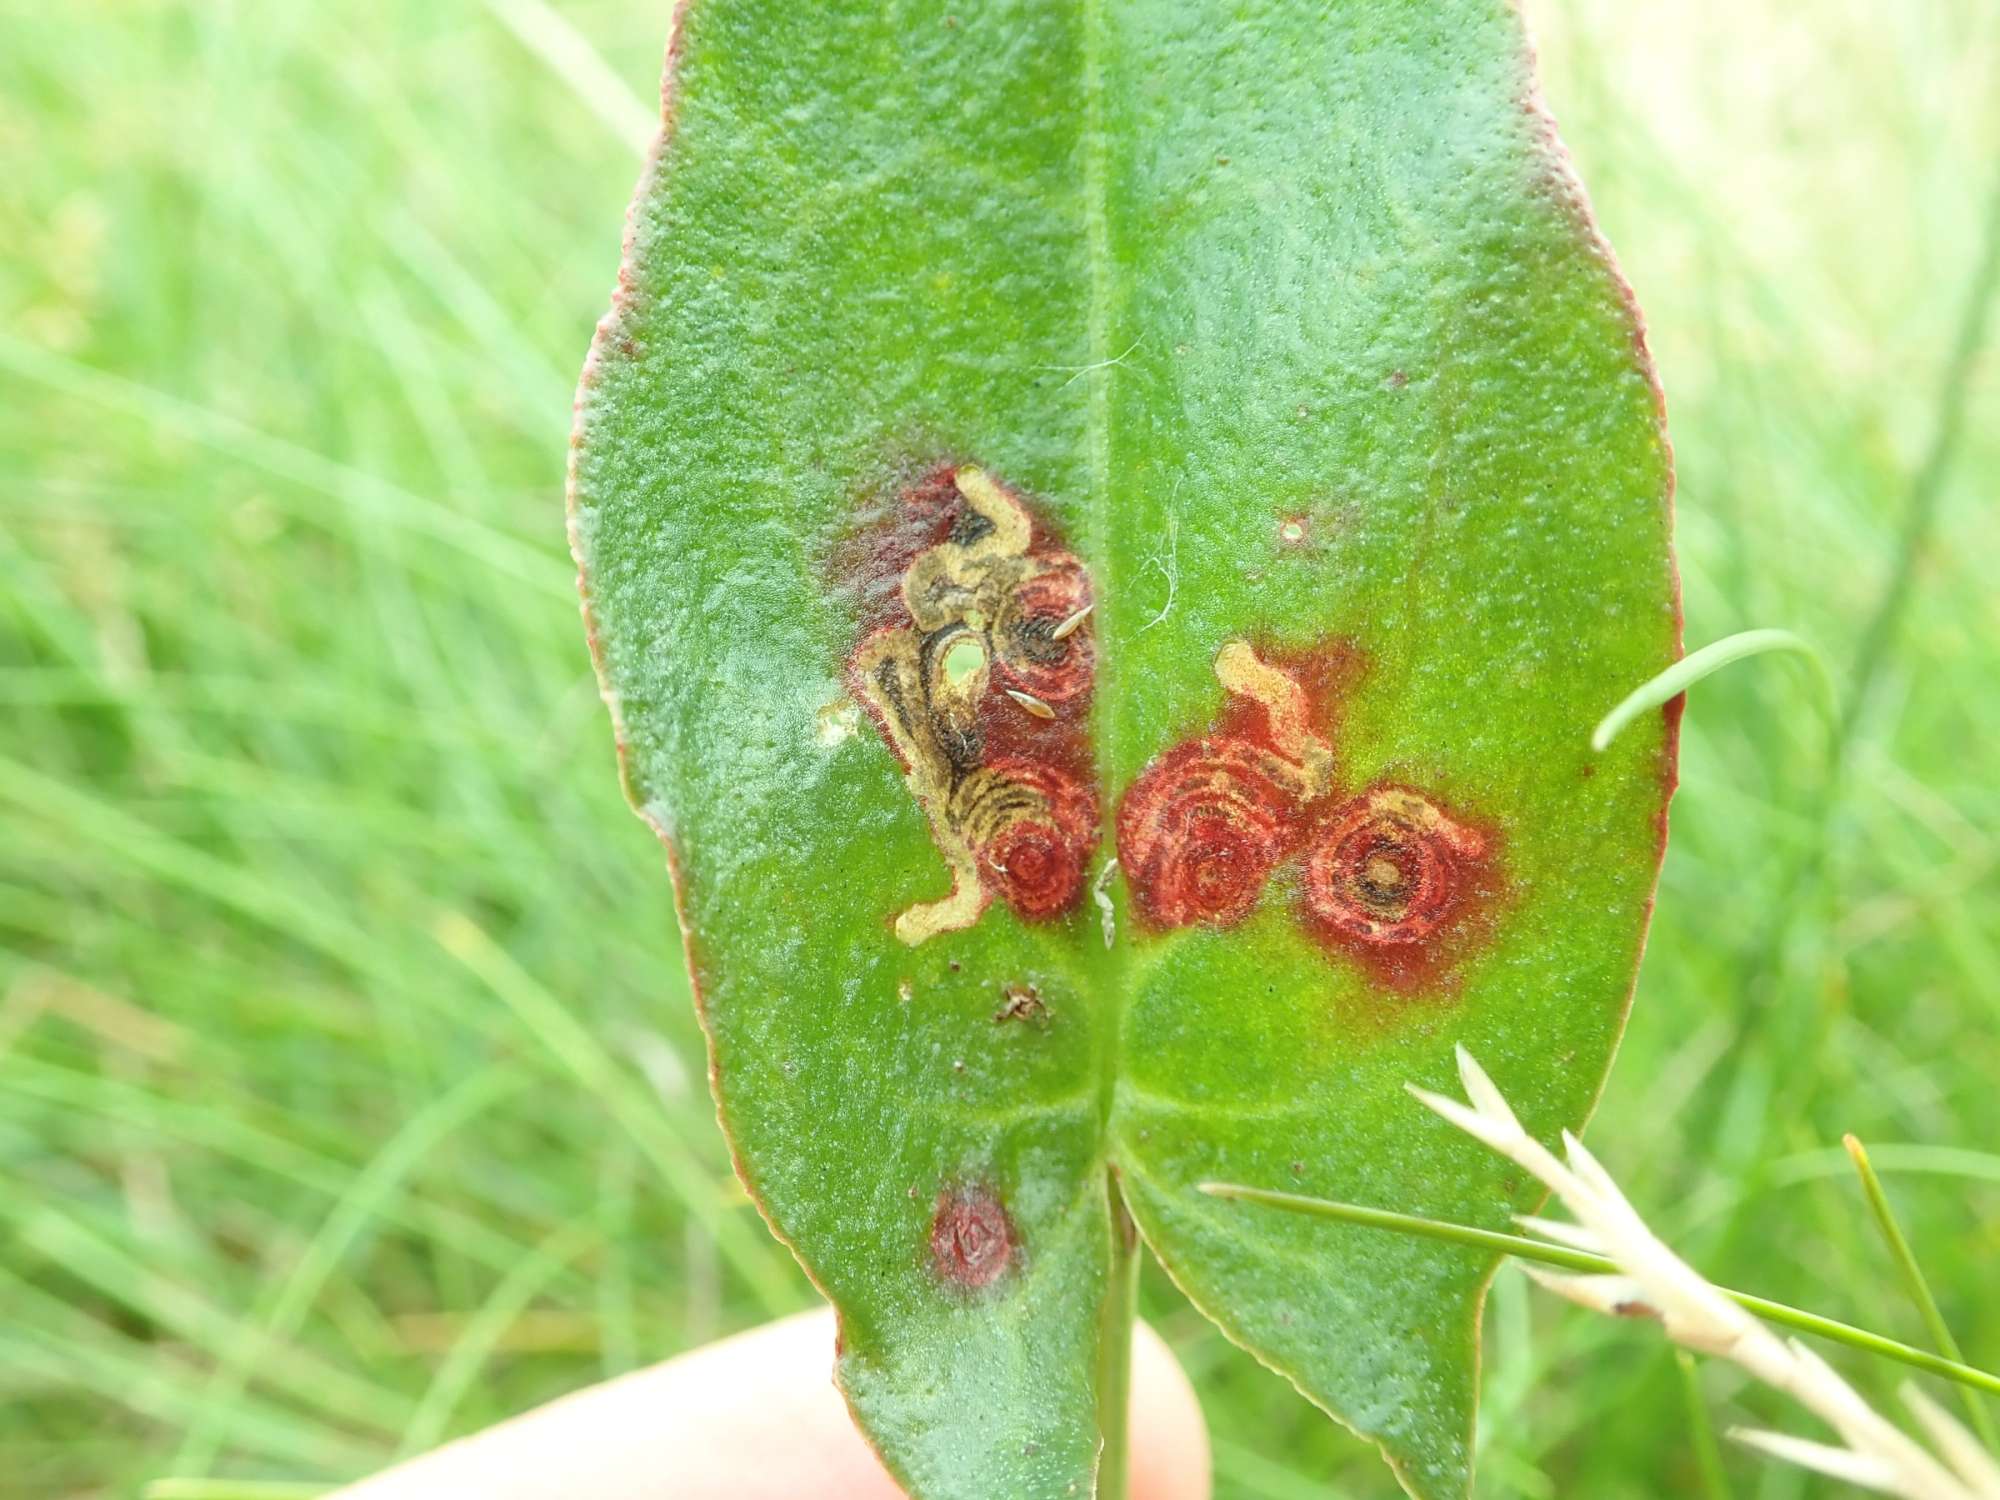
(1927,489)
(596,86)
(118,1271)
(586,1059)
(1690,669)
(56,1345)
(1914,1281)
(277,1323)
(1707,1452)
(482,1332)
(356,489)
(1911,1158)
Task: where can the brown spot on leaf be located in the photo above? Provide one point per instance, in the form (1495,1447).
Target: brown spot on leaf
(972,1241)
(1021,1002)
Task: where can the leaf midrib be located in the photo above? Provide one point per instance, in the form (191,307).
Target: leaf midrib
(1097,439)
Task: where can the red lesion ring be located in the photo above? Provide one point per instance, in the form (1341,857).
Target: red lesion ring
(1390,868)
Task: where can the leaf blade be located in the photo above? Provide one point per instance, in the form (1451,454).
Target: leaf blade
(1251,386)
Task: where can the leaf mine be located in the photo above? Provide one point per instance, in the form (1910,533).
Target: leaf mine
(978,674)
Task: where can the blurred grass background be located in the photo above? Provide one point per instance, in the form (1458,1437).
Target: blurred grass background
(349,1092)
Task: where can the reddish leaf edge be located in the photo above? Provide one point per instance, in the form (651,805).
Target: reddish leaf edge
(611,337)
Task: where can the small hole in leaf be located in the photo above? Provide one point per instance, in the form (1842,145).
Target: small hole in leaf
(963,661)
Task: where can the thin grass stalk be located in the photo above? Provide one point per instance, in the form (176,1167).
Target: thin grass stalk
(1521,1247)
(1915,1282)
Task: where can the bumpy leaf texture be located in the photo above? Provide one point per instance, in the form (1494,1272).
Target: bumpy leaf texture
(1105,528)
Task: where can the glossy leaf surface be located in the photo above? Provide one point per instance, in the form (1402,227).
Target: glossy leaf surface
(1211,435)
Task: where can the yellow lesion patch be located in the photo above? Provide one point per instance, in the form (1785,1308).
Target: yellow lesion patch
(1287,714)
(1414,811)
(969,581)
(890,677)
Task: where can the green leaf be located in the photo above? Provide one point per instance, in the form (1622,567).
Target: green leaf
(1279,339)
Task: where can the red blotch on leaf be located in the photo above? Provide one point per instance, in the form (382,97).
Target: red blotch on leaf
(1201,830)
(1036,863)
(972,1241)
(869,563)
(1035,869)
(1035,654)
(1396,881)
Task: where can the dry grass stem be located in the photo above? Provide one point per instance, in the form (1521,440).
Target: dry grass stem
(1656,1283)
